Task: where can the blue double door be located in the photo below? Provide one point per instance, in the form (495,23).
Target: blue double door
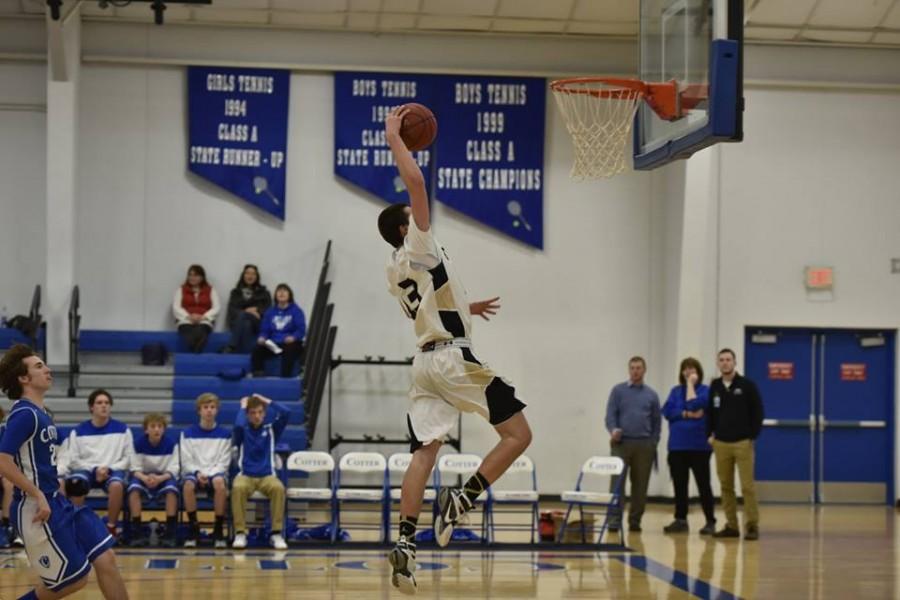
(829,404)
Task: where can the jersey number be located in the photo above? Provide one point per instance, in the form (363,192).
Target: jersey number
(53,449)
(410,299)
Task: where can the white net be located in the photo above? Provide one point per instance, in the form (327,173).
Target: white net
(599,118)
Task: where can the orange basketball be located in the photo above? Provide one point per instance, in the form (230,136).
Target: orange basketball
(419,127)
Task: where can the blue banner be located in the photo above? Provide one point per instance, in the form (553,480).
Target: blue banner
(487,161)
(489,152)
(361,154)
(238,122)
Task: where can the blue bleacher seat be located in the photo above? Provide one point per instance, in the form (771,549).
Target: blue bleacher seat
(101,340)
(9,337)
(213,364)
(276,388)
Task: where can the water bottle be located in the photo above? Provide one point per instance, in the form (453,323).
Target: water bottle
(3,317)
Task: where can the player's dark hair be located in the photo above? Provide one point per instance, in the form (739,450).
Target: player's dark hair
(196,270)
(241,283)
(13,366)
(287,288)
(390,221)
(96,394)
(690,362)
(729,351)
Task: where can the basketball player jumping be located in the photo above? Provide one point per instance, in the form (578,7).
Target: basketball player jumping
(61,540)
(447,377)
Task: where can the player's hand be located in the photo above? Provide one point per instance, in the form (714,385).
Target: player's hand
(244,402)
(252,310)
(394,121)
(43,510)
(483,308)
(263,398)
(261,341)
(202,479)
(692,379)
(290,339)
(152,481)
(616,435)
(711,439)
(101,474)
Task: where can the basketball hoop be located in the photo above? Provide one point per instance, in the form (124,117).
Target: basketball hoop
(599,112)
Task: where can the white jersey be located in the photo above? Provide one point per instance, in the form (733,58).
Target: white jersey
(421,277)
(109,446)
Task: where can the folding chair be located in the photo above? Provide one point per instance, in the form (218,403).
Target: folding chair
(397,465)
(312,462)
(595,466)
(519,499)
(360,499)
(462,466)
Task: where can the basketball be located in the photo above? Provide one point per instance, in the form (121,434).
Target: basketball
(419,127)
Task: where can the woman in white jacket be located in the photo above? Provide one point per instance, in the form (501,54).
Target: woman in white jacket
(195,306)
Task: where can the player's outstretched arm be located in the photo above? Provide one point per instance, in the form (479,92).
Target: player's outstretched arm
(483,308)
(409,170)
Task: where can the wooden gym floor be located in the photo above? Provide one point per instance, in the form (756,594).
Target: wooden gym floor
(810,553)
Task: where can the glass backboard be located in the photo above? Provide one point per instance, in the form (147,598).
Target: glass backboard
(698,44)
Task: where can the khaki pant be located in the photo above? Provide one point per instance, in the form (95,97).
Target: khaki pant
(638,456)
(729,455)
(244,487)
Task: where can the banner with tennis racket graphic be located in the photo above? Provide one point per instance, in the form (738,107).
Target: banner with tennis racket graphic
(487,161)
(238,126)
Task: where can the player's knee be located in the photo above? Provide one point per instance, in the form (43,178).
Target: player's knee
(76,488)
(75,586)
(189,487)
(218,484)
(115,488)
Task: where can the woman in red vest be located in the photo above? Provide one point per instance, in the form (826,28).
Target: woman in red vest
(195,306)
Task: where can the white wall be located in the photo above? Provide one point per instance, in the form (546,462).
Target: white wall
(22,183)
(814,181)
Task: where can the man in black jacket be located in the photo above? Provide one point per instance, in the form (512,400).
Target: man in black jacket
(735,420)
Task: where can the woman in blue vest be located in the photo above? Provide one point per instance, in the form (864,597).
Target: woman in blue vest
(689,450)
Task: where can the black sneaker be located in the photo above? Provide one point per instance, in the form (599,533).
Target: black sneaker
(138,541)
(677,526)
(709,528)
(752,533)
(727,532)
(452,504)
(403,563)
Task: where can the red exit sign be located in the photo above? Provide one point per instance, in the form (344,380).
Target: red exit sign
(781,370)
(853,371)
(819,278)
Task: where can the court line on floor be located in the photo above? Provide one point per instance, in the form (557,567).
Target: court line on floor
(683,581)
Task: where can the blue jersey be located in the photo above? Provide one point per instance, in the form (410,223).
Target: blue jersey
(29,436)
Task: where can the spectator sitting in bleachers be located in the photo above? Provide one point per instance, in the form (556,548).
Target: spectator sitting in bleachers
(256,440)
(247,303)
(196,306)
(154,474)
(9,536)
(205,458)
(99,456)
(282,332)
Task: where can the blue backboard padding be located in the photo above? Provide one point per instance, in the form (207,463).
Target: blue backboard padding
(100,340)
(184,412)
(724,112)
(276,388)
